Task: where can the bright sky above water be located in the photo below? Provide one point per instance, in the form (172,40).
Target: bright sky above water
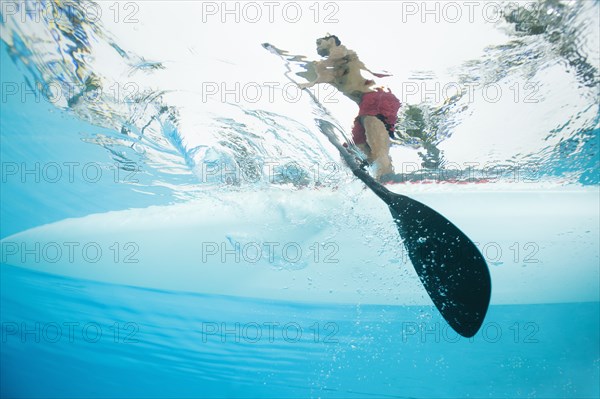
(387,35)
(219,42)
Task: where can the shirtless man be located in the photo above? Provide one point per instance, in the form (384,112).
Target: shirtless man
(378,109)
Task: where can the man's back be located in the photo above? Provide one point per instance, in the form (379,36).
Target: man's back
(346,69)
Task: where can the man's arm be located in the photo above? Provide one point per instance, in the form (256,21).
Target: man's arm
(325,73)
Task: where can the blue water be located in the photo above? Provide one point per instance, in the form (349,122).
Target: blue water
(69,338)
(65,337)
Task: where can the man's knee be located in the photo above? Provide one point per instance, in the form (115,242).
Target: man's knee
(377,135)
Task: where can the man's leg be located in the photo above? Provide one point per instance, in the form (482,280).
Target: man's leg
(378,140)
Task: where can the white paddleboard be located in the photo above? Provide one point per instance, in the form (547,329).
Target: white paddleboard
(317,246)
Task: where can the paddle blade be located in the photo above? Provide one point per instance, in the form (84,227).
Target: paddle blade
(449,265)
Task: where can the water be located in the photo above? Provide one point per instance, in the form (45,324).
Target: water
(133,128)
(123,341)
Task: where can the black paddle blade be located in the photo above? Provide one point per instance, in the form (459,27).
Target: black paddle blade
(449,265)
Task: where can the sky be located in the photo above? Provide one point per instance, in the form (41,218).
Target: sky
(203,43)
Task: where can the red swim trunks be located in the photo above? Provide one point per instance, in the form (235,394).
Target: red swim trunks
(382,104)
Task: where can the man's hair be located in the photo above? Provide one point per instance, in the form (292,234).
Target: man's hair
(337,41)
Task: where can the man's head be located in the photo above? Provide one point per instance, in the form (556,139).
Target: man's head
(325,44)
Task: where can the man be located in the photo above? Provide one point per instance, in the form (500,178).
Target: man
(378,109)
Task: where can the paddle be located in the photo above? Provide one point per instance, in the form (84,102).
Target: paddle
(447,262)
